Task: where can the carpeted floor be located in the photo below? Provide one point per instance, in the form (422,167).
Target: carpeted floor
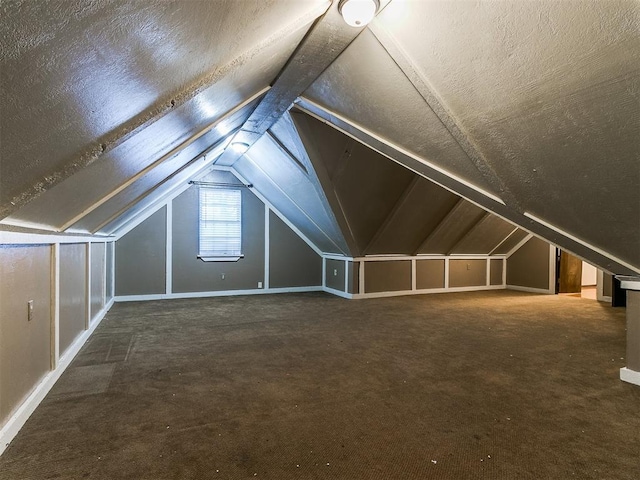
(482,385)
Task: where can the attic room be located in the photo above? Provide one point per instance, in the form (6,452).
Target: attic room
(319,239)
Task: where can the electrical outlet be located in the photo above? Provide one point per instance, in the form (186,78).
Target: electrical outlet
(222,276)
(259,284)
(335,272)
(468,266)
(30,310)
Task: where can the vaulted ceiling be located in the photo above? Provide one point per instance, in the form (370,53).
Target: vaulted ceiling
(438,128)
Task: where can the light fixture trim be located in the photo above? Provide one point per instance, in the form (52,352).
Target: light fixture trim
(358,13)
(240,147)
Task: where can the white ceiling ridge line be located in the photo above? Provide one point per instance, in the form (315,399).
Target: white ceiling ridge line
(564,233)
(174,151)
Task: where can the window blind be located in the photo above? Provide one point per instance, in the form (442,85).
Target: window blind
(220,223)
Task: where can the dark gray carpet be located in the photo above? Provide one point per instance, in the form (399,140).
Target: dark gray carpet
(486,385)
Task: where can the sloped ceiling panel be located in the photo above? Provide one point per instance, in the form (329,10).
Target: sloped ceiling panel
(458,222)
(285,132)
(85,75)
(548,91)
(188,159)
(423,207)
(484,237)
(97,181)
(286,185)
(365,85)
(169,188)
(388,209)
(369,186)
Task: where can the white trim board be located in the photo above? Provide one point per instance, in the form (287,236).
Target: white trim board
(587,245)
(220,293)
(24,411)
(528,289)
(630,376)
(338,293)
(23,238)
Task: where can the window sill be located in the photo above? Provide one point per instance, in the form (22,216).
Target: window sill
(224,258)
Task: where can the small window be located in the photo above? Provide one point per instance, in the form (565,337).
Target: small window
(220,225)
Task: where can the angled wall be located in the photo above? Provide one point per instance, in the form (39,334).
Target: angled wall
(530,267)
(65,284)
(159,257)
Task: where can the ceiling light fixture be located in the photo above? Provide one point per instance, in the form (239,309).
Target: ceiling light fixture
(239,147)
(357,13)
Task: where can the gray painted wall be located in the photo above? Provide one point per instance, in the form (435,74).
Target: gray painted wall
(98,253)
(495,271)
(633,330)
(354,277)
(529,265)
(191,274)
(141,256)
(388,276)
(335,274)
(607,284)
(73,293)
(25,346)
(467,273)
(292,263)
(429,274)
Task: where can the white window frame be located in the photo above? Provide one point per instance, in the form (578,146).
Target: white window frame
(219,224)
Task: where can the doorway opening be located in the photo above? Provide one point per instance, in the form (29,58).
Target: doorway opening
(575,277)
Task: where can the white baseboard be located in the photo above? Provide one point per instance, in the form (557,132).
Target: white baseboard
(24,411)
(338,293)
(221,293)
(543,291)
(399,293)
(630,376)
